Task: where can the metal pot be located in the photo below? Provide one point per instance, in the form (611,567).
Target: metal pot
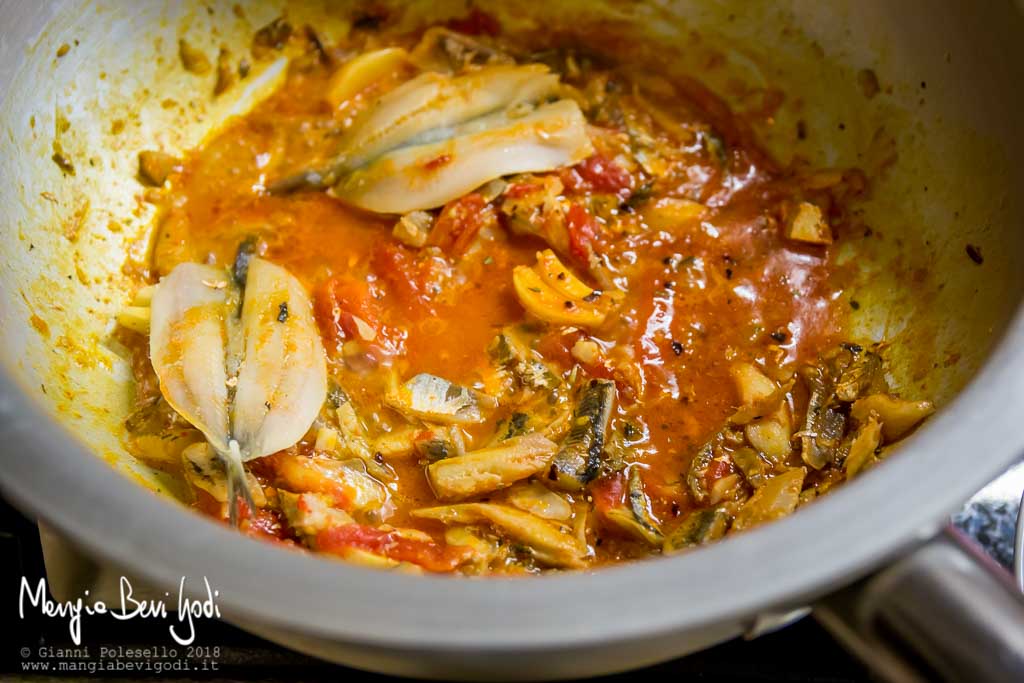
(948,108)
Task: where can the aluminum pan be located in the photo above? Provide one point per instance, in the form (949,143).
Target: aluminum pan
(636,613)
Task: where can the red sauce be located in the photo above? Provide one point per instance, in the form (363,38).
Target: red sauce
(700,294)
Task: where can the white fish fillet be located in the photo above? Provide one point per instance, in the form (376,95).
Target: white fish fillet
(430,175)
(187,345)
(434,100)
(282,383)
(197,338)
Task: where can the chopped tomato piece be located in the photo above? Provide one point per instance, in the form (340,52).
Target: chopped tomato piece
(265,524)
(609,492)
(519,190)
(717,470)
(597,173)
(413,278)
(476,23)
(347,308)
(338,302)
(299,473)
(582,230)
(427,554)
(603,371)
(207,504)
(458,224)
(556,347)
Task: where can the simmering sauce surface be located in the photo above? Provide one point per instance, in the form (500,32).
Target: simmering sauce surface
(676,207)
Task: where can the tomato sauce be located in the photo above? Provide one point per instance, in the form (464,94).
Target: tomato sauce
(701,293)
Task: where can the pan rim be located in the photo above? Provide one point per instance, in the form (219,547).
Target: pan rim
(880,515)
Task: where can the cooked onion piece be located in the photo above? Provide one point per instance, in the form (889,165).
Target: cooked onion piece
(490,469)
(776,499)
(806,223)
(539,500)
(898,416)
(362,71)
(549,545)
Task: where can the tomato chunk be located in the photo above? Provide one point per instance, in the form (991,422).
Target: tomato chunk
(609,492)
(582,229)
(413,278)
(598,173)
(337,303)
(520,190)
(299,473)
(267,525)
(346,308)
(427,554)
(459,222)
(718,469)
(476,23)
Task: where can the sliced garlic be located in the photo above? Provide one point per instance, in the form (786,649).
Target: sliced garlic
(551,292)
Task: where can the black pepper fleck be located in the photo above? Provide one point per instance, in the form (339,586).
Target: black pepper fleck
(677,348)
(974,252)
(282,312)
(368,22)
